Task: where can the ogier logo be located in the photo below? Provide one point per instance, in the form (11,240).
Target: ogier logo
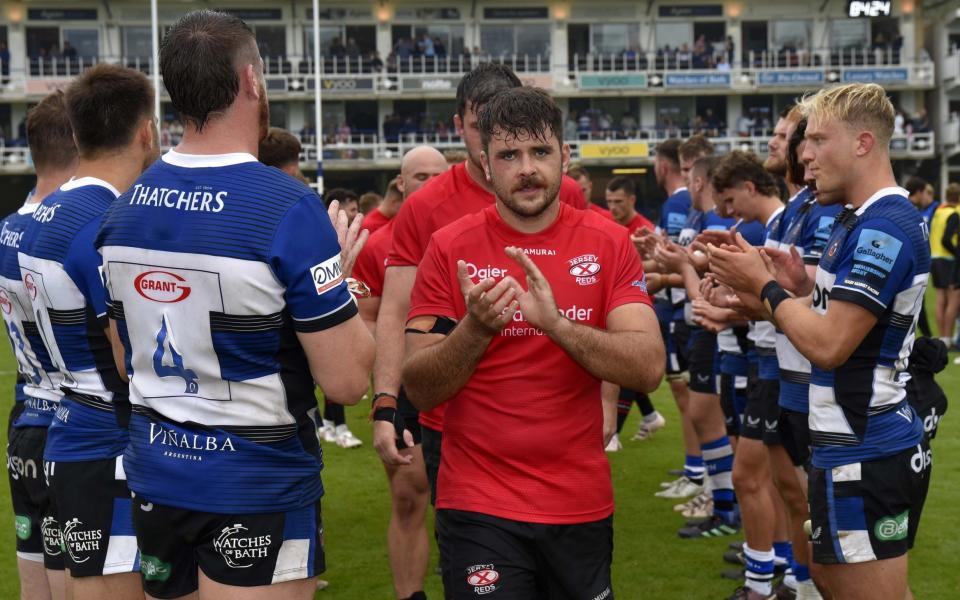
(161,286)
(5,303)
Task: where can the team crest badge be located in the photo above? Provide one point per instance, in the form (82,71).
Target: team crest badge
(585,268)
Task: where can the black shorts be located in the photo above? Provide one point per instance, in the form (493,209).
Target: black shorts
(524,561)
(734,369)
(240,550)
(702,361)
(38,533)
(676,336)
(91,503)
(943,273)
(762,412)
(431,440)
(868,511)
(795,436)
(411,419)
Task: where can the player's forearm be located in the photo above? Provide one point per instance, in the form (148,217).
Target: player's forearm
(807,331)
(434,373)
(631,359)
(389,358)
(691,281)
(609,395)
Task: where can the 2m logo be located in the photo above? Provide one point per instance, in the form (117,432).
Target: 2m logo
(327,275)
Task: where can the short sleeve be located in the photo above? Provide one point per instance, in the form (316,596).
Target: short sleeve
(368,271)
(433,291)
(816,234)
(408,236)
(877,264)
(85,267)
(305,257)
(629,284)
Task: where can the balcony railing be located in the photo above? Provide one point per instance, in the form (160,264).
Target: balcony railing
(343,152)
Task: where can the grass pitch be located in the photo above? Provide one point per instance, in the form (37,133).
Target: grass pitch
(650,561)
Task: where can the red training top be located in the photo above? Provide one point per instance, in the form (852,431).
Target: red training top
(601,211)
(523,439)
(441,201)
(374,220)
(638,222)
(372,260)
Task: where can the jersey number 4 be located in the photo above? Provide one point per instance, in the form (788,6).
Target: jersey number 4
(166,346)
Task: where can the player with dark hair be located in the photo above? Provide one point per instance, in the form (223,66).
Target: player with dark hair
(348,199)
(39,556)
(111,114)
(231,309)
(527,516)
(281,149)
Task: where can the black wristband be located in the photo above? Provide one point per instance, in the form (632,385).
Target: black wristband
(385,413)
(772,295)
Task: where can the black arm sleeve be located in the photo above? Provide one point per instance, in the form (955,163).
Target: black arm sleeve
(952,229)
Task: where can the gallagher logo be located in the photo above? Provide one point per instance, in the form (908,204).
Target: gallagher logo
(161,286)
(5,303)
(584,269)
(31,286)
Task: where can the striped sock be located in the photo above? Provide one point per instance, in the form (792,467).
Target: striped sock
(718,455)
(693,468)
(801,572)
(759,572)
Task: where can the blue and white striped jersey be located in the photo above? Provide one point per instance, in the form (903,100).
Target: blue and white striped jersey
(213,264)
(673,216)
(40,390)
(806,224)
(878,257)
(61,273)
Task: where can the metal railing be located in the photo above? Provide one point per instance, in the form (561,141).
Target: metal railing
(344,153)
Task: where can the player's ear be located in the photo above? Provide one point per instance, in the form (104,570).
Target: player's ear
(250,81)
(485,161)
(565,157)
(865,142)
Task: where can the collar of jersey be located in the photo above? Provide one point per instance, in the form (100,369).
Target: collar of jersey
(509,233)
(84,181)
(679,189)
(887,191)
(28,208)
(774,216)
(198,161)
(797,195)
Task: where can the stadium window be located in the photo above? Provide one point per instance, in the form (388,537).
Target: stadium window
(327,36)
(848,34)
(674,116)
(137,44)
(43,41)
(272,40)
(792,35)
(278,114)
(86,42)
(523,39)
(755,38)
(756,116)
(449,36)
(674,34)
(614,38)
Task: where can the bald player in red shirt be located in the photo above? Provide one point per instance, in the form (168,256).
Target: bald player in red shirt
(408,546)
(518,313)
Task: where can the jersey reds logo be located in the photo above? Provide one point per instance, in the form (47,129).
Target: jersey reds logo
(161,286)
(483,577)
(5,303)
(584,269)
(31,286)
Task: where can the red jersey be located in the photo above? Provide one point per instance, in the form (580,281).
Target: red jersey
(600,211)
(638,222)
(372,260)
(523,439)
(374,220)
(441,201)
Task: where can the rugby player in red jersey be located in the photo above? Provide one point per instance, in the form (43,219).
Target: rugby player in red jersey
(407,544)
(518,313)
(582,177)
(621,196)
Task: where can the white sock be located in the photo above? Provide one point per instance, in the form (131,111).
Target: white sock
(651,417)
(328,424)
(342,429)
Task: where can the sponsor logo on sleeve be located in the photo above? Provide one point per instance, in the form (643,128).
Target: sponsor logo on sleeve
(327,275)
(873,260)
(584,269)
(162,286)
(640,283)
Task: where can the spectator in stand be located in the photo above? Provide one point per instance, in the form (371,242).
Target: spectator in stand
(352,49)
(439,48)
(376,64)
(308,134)
(921,123)
(898,123)
(69,51)
(402,49)
(337,49)
(4,63)
(343,133)
(728,49)
(426,46)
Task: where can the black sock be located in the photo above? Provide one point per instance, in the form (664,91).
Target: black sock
(334,412)
(416,596)
(623,411)
(646,407)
